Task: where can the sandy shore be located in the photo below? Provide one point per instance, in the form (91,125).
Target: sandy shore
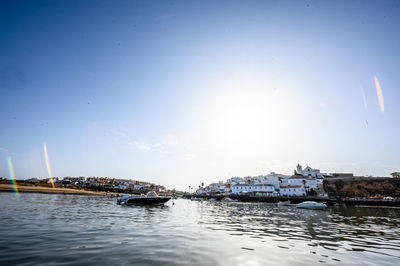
(49,190)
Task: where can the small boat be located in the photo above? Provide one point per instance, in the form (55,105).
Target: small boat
(284,203)
(150,199)
(227,199)
(195,199)
(311,205)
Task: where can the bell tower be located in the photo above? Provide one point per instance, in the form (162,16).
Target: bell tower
(299,169)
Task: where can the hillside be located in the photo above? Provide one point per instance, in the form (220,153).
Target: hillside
(363,187)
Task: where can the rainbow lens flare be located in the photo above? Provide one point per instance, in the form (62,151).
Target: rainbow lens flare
(379,94)
(12,175)
(46,157)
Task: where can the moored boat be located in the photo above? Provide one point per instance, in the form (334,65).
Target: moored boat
(311,205)
(227,199)
(284,203)
(196,199)
(150,199)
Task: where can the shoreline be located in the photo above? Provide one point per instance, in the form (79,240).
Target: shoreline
(295,200)
(50,190)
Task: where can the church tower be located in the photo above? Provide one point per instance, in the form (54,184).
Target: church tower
(299,169)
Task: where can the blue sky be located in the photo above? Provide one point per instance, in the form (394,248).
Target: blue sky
(184,92)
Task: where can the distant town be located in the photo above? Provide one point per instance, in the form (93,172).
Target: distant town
(305,182)
(95,183)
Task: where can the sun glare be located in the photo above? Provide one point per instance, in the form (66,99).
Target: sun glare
(248,117)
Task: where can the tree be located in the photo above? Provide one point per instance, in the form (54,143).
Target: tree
(202,184)
(312,193)
(395,174)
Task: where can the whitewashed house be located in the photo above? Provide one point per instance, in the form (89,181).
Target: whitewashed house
(235,180)
(296,181)
(292,191)
(276,180)
(121,186)
(312,184)
(262,188)
(240,188)
(202,191)
(138,187)
(259,188)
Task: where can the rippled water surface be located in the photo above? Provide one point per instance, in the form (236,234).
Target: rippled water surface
(83,230)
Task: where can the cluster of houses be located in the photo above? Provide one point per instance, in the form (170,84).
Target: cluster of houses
(103,183)
(307,181)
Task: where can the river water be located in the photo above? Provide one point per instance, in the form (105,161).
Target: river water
(86,230)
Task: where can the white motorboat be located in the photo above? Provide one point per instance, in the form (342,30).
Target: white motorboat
(312,205)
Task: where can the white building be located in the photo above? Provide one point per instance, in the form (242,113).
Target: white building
(259,188)
(138,187)
(308,171)
(296,181)
(292,191)
(263,188)
(240,188)
(235,180)
(121,186)
(213,187)
(312,184)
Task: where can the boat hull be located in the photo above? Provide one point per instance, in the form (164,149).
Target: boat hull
(147,200)
(315,206)
(312,207)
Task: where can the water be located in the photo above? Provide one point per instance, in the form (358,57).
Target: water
(82,230)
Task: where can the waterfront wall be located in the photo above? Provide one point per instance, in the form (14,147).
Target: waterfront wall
(295,200)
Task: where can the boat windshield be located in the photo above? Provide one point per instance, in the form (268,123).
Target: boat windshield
(151,194)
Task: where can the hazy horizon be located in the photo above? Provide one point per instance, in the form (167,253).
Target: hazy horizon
(183,92)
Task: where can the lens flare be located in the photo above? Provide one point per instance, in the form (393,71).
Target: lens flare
(46,157)
(379,94)
(12,175)
(364,97)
